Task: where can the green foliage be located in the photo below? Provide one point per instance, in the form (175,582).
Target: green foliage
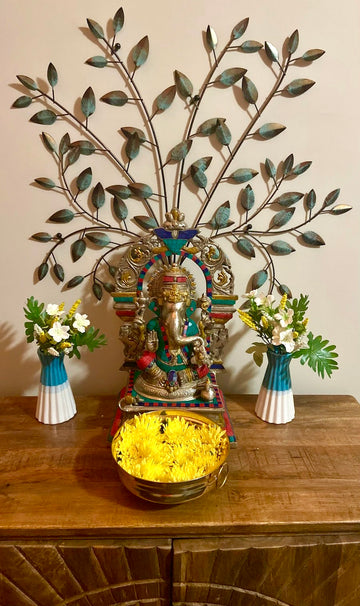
(34,312)
(91,338)
(319,355)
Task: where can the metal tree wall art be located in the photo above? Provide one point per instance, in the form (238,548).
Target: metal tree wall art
(89,202)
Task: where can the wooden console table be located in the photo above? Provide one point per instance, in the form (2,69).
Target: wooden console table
(284,530)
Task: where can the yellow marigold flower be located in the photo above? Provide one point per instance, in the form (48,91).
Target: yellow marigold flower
(246,318)
(283,301)
(74,308)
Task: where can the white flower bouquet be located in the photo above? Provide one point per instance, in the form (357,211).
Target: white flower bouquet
(283,327)
(57,332)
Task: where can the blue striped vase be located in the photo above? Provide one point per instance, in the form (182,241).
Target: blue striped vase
(275,402)
(55,403)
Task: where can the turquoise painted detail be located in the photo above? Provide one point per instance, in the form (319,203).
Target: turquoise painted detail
(124,299)
(52,370)
(277,375)
(224,301)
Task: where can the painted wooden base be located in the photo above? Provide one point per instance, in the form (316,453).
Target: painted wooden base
(275,406)
(55,404)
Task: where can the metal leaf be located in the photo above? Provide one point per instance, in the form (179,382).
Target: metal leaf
(42,270)
(86,148)
(75,281)
(293,42)
(240,29)
(141,51)
(98,196)
(211,38)
(231,75)
(221,215)
(313,54)
(132,146)
(115,97)
(165,99)
(28,82)
(130,130)
(198,176)
(300,168)
(332,197)
(202,163)
(146,223)
(310,200)
(259,278)
(272,52)
(97,61)
(288,198)
(223,133)
(109,287)
(64,144)
(141,190)
(77,249)
(118,20)
(23,101)
(184,86)
(247,198)
(62,216)
(270,130)
(288,164)
(251,46)
(45,182)
(249,90)
(340,209)
(280,247)
(49,142)
(120,208)
(96,29)
(285,290)
(72,156)
(88,102)
(42,236)
(99,238)
(245,246)
(59,272)
(282,217)
(312,239)
(180,151)
(270,168)
(209,126)
(45,116)
(120,191)
(97,290)
(299,86)
(52,75)
(241,175)
(84,179)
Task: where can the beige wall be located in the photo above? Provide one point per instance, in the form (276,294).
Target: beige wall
(322,126)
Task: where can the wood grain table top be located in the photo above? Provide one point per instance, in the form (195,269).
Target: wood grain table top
(61,481)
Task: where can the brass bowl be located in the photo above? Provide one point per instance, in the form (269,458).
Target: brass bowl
(172,493)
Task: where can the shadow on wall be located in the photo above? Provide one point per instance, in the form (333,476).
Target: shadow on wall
(238,379)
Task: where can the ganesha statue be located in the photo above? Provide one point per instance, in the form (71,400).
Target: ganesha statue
(173,328)
(174,362)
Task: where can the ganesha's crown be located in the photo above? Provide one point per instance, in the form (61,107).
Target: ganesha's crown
(172,283)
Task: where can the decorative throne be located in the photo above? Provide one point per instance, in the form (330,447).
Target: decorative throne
(173,341)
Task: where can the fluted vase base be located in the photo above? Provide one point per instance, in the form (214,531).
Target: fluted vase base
(55,404)
(275,406)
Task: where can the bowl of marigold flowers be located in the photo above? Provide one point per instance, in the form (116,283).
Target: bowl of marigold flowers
(170,457)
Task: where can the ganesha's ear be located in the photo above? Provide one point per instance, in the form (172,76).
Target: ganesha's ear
(191,308)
